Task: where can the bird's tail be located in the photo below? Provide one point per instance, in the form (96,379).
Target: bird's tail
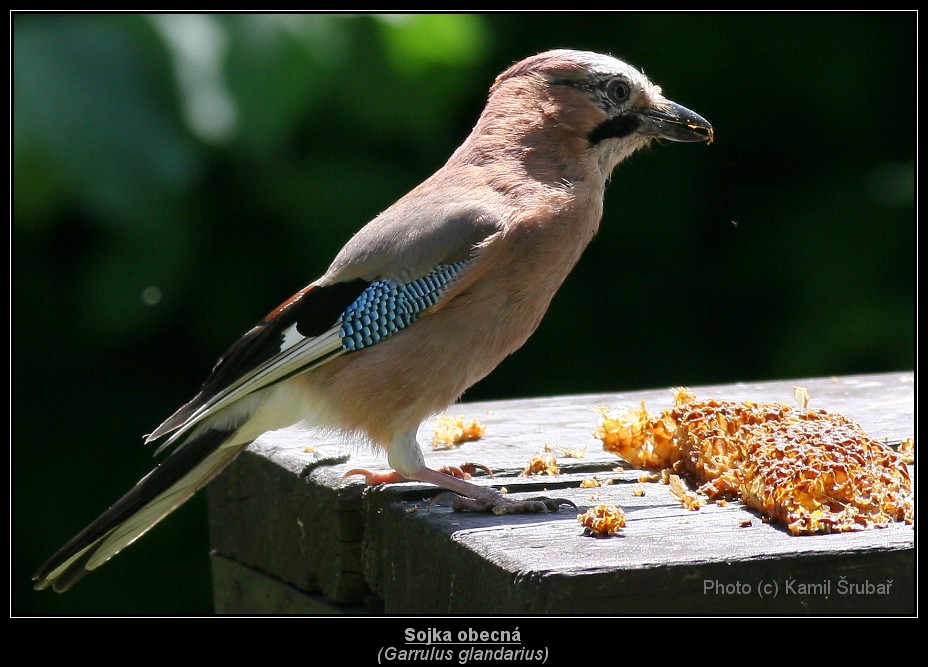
(190,467)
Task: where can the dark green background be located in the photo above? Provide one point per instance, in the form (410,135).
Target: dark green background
(786,249)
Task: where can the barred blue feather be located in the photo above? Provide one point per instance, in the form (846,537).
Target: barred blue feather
(386,307)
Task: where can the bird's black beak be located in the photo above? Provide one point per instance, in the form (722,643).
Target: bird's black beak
(676,123)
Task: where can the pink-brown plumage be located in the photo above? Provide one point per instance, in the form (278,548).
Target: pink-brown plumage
(507,216)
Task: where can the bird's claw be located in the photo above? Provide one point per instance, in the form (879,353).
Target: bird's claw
(465,470)
(530,505)
(496,502)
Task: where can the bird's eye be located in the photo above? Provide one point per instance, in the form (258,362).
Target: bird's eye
(618,90)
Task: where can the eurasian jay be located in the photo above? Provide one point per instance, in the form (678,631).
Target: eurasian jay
(422,302)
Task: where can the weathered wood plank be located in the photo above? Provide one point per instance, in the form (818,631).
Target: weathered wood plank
(273,514)
(266,517)
(475,565)
(238,589)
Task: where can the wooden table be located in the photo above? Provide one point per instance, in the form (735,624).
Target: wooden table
(288,537)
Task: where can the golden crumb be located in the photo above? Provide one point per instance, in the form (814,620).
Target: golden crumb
(801,396)
(687,498)
(745,523)
(907,450)
(542,465)
(638,491)
(309,449)
(452,431)
(648,478)
(810,470)
(682,396)
(590,483)
(602,520)
(572,453)
(563,451)
(721,502)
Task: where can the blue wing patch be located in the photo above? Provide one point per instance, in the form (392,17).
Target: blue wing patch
(386,307)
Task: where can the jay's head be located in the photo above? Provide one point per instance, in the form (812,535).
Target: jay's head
(584,106)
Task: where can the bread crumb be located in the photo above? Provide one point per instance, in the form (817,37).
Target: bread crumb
(602,520)
(452,431)
(542,465)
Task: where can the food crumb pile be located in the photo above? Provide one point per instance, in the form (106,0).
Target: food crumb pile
(810,470)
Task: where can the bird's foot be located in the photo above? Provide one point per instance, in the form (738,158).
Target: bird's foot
(372,478)
(466,496)
(463,471)
(491,500)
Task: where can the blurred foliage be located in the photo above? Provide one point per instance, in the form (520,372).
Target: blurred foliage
(176,176)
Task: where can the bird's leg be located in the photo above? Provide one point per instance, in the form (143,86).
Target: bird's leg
(404,454)
(466,496)
(473,498)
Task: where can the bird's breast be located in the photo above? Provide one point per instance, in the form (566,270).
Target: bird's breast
(421,370)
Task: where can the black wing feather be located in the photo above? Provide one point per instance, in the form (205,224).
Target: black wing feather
(150,487)
(314,310)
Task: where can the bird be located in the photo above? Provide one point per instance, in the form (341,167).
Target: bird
(422,302)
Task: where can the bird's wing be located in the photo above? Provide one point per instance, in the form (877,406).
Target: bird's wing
(439,222)
(155,496)
(342,311)
(318,323)
(297,335)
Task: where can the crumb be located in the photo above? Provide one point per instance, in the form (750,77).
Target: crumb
(572,453)
(745,523)
(907,450)
(589,483)
(563,451)
(452,431)
(687,498)
(542,465)
(602,520)
(638,491)
(801,396)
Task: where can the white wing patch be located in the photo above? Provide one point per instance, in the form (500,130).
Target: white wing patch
(291,337)
(298,355)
